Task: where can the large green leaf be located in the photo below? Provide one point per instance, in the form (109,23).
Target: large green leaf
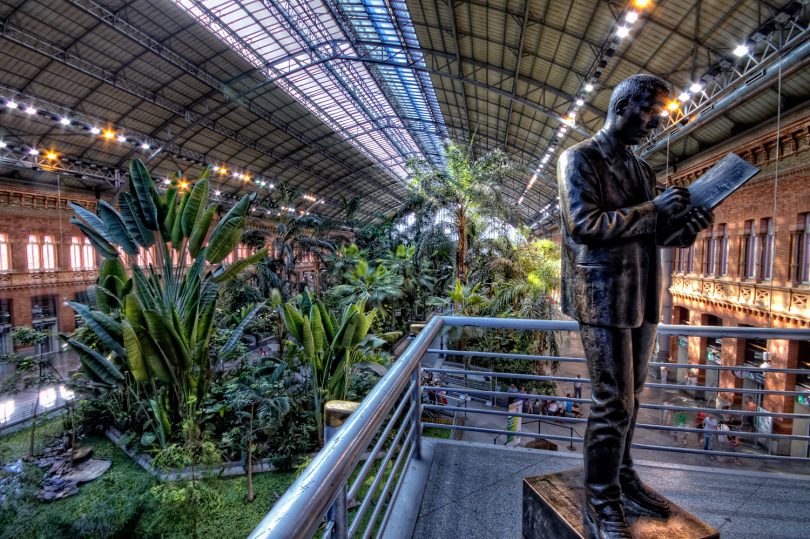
(200,229)
(317,328)
(93,220)
(177,224)
(101,245)
(134,356)
(96,365)
(228,231)
(195,205)
(102,325)
(170,204)
(116,228)
(142,187)
(224,239)
(134,222)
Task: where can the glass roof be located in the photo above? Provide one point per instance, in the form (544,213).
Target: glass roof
(302,48)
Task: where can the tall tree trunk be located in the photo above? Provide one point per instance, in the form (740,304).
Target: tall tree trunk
(461,244)
(250,494)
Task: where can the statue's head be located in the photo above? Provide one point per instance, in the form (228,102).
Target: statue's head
(635,108)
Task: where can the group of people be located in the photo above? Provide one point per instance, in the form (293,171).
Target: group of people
(561,408)
(714,435)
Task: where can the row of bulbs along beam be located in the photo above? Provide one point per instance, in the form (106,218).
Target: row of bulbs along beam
(112,135)
(673,108)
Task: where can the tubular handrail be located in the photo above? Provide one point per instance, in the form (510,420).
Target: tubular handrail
(298,512)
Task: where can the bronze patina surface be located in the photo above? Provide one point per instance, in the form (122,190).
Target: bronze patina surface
(553,504)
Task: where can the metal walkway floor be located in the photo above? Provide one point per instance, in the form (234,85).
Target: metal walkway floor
(464,490)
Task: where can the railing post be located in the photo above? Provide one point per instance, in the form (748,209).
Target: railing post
(416,395)
(335,414)
(339,514)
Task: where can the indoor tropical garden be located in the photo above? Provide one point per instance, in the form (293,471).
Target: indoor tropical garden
(206,355)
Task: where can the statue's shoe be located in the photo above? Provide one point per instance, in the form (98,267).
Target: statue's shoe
(606,522)
(639,499)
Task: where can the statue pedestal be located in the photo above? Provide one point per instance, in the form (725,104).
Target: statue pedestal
(553,505)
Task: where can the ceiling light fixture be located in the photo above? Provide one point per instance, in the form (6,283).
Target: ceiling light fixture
(64,120)
(696,87)
(741,50)
(121,138)
(95,130)
(683,97)
(588,87)
(30,110)
(580,102)
(622,32)
(12,104)
(631,16)
(33,151)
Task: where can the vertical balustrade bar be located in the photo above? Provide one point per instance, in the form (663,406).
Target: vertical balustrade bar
(339,512)
(417,411)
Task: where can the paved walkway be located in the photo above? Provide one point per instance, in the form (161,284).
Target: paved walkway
(474,491)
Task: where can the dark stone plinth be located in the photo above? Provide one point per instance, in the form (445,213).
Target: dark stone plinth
(553,505)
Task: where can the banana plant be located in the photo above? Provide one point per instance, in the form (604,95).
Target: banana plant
(328,345)
(157,320)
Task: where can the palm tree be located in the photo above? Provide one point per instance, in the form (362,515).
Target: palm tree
(374,287)
(450,200)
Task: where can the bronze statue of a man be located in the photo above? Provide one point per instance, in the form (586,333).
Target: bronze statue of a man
(613,220)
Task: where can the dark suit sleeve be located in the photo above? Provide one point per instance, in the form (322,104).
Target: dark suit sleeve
(583,209)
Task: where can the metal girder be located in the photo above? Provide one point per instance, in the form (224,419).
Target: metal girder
(119,81)
(17,156)
(524,24)
(785,47)
(227,90)
(85,122)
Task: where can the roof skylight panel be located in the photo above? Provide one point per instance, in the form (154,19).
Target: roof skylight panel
(341,94)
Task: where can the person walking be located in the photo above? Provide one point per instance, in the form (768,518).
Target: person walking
(679,420)
(578,387)
(709,432)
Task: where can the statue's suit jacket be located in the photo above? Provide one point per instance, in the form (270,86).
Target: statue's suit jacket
(610,232)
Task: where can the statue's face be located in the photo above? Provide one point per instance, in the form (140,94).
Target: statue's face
(637,117)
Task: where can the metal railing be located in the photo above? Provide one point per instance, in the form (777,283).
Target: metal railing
(350,487)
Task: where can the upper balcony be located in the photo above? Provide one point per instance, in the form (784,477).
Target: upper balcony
(55,278)
(378,476)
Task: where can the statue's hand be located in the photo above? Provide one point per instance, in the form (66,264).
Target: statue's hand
(672,201)
(698,219)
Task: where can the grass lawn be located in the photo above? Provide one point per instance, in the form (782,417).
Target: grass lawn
(122,503)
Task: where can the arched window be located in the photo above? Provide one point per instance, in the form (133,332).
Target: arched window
(32,253)
(75,254)
(88,254)
(5,253)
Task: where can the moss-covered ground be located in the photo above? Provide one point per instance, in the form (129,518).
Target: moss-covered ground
(123,502)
